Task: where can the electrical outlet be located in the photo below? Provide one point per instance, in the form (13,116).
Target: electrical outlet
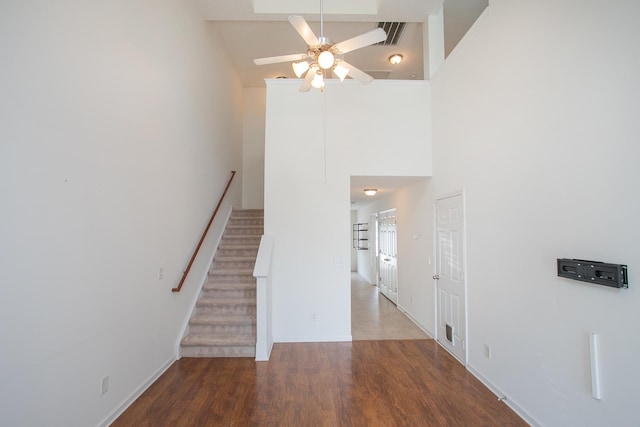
(104,385)
(314,317)
(487,351)
(160,273)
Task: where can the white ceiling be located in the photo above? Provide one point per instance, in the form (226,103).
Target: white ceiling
(247,35)
(384,184)
(273,38)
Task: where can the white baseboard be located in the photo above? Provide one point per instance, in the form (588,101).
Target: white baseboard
(137,393)
(414,320)
(265,358)
(499,394)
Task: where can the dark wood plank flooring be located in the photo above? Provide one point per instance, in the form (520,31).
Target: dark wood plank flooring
(360,383)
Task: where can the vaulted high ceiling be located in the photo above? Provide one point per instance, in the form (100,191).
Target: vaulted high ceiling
(248,34)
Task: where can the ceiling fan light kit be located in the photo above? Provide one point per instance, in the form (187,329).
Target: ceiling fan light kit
(326,60)
(323,56)
(299,68)
(340,71)
(318,80)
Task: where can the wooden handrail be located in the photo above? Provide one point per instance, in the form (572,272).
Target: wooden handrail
(204,234)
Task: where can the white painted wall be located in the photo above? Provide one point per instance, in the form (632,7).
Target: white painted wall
(415,246)
(307,188)
(254,104)
(119,125)
(535,116)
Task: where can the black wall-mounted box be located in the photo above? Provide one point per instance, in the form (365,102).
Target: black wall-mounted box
(613,275)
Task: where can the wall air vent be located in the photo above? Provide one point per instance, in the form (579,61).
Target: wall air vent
(394,32)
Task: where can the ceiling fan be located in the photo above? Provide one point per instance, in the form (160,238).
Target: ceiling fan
(323,56)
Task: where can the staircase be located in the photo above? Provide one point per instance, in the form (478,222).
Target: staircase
(223,324)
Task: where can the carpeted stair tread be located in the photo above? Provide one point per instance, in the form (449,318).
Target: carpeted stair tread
(229,286)
(250,240)
(229,272)
(225,301)
(235,259)
(220,319)
(236,216)
(219,340)
(231,278)
(247,222)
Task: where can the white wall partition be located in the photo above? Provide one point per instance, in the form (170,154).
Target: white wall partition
(119,125)
(264,309)
(535,116)
(253,102)
(314,143)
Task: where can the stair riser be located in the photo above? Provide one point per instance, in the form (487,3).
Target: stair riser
(227,293)
(224,252)
(218,351)
(248,213)
(254,222)
(230,278)
(232,265)
(243,231)
(226,309)
(218,286)
(240,240)
(223,329)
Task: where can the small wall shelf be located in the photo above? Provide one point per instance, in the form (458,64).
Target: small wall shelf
(360,236)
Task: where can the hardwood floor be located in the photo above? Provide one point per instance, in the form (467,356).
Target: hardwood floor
(360,383)
(402,379)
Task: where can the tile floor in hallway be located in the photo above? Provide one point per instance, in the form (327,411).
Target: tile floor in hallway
(374,317)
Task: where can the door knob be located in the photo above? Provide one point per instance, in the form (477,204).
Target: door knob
(436,277)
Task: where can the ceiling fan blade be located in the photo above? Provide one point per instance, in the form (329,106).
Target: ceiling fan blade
(304,30)
(306,85)
(366,39)
(282,58)
(355,73)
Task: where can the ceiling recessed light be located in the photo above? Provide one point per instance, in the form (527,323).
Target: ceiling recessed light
(395,59)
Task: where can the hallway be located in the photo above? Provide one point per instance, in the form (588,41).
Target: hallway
(374,317)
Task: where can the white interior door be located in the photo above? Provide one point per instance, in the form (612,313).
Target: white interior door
(374,250)
(450,281)
(388,256)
